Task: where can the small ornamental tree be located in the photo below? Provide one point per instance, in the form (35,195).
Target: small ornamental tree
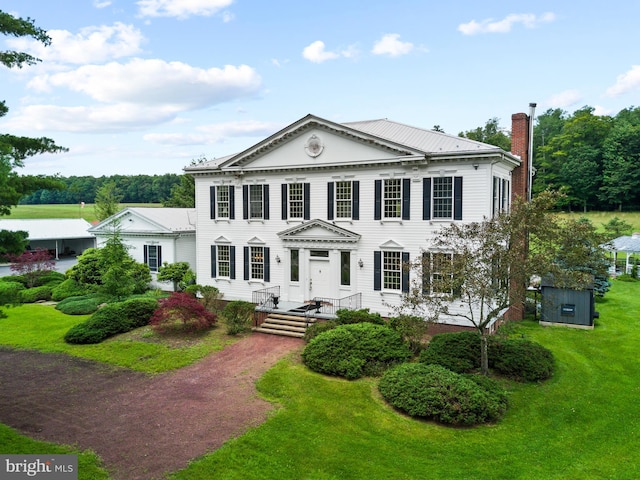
(181,307)
(32,264)
(176,273)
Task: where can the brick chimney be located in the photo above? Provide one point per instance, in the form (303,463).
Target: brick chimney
(520,147)
(520,185)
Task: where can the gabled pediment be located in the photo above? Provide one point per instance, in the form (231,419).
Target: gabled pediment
(256,241)
(319,231)
(391,245)
(222,239)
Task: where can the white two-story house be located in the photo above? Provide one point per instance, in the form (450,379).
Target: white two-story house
(328,212)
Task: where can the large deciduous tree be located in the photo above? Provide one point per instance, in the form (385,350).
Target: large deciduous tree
(15,149)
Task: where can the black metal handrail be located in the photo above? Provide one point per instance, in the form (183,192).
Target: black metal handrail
(266,297)
(329,306)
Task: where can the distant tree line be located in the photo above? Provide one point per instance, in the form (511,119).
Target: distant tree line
(131,189)
(594,160)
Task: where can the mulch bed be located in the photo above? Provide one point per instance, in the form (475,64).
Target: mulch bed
(142,426)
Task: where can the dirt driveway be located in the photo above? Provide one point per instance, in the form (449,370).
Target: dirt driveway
(142,426)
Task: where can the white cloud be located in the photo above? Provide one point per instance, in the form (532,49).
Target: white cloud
(215,133)
(626,82)
(90,45)
(564,99)
(316,53)
(599,110)
(101,4)
(391,45)
(181,8)
(489,25)
(156,82)
(227,16)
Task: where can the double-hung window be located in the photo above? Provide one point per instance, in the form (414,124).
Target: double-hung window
(255,202)
(390,270)
(501,187)
(344,200)
(221,202)
(223,261)
(153,257)
(392,199)
(256,263)
(442,198)
(438,270)
(296,201)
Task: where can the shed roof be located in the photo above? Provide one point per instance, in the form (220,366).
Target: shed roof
(49,228)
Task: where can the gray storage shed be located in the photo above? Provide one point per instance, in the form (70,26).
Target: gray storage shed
(567,307)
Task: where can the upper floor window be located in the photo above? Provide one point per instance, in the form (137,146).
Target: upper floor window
(392,199)
(442,198)
(343,200)
(296,201)
(153,257)
(221,201)
(255,202)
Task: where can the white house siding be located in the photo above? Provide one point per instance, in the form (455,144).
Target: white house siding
(341,159)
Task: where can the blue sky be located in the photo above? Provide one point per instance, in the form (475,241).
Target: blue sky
(145,87)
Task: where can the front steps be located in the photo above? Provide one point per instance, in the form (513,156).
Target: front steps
(283,324)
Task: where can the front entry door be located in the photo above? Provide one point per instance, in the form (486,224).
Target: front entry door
(319,279)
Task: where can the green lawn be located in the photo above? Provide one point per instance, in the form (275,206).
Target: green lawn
(39,327)
(64,211)
(600,218)
(582,424)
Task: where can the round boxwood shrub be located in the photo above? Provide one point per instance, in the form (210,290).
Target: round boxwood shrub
(237,316)
(458,352)
(346,317)
(522,360)
(139,310)
(432,391)
(35,294)
(355,350)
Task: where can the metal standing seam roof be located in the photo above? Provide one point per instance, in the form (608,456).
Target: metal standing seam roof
(49,228)
(419,138)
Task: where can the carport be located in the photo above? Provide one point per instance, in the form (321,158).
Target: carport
(64,237)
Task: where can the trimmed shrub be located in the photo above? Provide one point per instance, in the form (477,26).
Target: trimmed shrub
(50,278)
(317,328)
(181,307)
(522,360)
(139,310)
(69,288)
(432,391)
(458,352)
(413,330)
(81,305)
(35,294)
(112,319)
(355,350)
(208,295)
(21,279)
(238,316)
(346,317)
(10,292)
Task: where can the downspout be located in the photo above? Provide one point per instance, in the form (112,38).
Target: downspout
(532,113)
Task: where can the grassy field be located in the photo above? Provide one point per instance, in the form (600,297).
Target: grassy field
(65,211)
(600,218)
(583,423)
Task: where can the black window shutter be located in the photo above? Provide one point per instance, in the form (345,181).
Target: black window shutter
(355,200)
(265,200)
(377,269)
(267,265)
(457,198)
(330,200)
(232,202)
(283,200)
(213,261)
(245,202)
(232,262)
(307,200)
(146,254)
(159,251)
(212,202)
(426,273)
(246,263)
(426,199)
(406,198)
(377,209)
(405,271)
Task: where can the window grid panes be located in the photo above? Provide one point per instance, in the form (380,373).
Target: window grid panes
(295,265)
(391,270)
(223,261)
(392,198)
(222,193)
(343,199)
(296,200)
(443,197)
(257,263)
(345,268)
(255,201)
(152,257)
